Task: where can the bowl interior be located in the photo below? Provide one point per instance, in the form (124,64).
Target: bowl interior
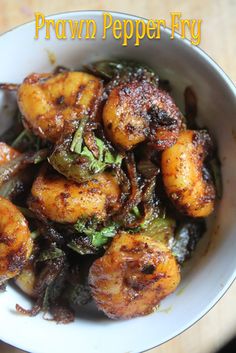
(211,270)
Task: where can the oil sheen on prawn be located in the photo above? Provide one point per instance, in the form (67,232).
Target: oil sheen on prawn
(46,101)
(139,111)
(65,201)
(128,273)
(133,276)
(183,177)
(15,241)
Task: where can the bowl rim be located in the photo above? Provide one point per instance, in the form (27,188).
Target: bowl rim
(167,29)
(231,87)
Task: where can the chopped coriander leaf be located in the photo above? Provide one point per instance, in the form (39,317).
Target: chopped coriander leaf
(100,238)
(97,237)
(105,158)
(95,165)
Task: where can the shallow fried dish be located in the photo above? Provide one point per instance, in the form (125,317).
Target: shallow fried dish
(122,181)
(211,269)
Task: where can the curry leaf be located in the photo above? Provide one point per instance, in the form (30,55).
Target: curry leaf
(50,254)
(82,246)
(79,294)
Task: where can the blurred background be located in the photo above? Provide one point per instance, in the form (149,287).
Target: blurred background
(218,40)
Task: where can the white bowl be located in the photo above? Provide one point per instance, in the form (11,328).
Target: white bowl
(209,273)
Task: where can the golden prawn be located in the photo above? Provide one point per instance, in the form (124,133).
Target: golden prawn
(46,101)
(139,111)
(183,177)
(15,241)
(65,201)
(132,277)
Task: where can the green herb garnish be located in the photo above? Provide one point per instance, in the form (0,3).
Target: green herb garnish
(105,158)
(97,237)
(50,254)
(76,145)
